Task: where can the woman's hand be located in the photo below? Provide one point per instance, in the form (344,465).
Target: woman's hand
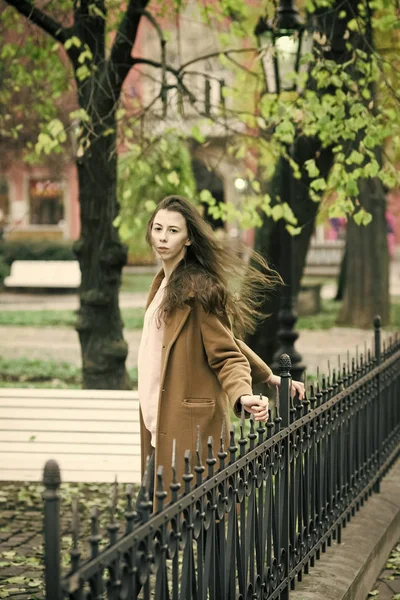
(257,405)
(297,386)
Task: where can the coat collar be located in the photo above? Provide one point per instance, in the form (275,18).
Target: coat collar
(155,284)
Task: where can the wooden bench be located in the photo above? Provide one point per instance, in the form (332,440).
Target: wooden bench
(93,434)
(44,274)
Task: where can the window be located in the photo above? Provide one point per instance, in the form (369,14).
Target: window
(46,202)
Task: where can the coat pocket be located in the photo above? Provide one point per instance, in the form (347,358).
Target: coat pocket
(199,402)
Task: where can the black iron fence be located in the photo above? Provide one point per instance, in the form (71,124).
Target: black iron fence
(251,517)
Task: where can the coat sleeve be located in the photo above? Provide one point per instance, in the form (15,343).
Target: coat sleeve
(225,358)
(260,371)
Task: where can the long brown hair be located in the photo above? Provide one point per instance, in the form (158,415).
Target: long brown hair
(215,273)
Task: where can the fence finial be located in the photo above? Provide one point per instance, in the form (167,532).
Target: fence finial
(51,475)
(51,530)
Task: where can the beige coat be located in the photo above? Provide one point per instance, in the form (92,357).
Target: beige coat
(204,369)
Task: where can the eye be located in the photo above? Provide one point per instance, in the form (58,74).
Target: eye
(156,228)
(173,230)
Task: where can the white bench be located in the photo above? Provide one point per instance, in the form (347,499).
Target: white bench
(44,274)
(93,434)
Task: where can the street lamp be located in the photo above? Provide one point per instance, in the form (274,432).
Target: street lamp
(282,43)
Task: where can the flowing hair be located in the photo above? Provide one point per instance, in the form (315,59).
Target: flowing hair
(215,273)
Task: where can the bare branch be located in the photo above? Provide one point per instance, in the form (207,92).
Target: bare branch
(120,58)
(219,53)
(44,22)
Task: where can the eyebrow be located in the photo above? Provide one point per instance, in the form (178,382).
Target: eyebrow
(174,226)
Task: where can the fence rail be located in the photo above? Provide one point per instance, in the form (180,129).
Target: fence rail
(251,519)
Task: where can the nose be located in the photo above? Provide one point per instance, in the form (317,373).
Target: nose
(163,236)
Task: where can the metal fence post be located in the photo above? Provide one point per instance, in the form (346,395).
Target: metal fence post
(377,339)
(51,530)
(285,395)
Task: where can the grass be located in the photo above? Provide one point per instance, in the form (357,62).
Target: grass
(323,320)
(326,319)
(132,317)
(25,372)
(136,282)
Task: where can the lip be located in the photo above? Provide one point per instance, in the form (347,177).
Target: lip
(162,248)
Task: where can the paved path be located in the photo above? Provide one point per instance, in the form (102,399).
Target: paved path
(61,344)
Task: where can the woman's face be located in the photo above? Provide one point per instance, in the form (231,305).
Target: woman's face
(169,236)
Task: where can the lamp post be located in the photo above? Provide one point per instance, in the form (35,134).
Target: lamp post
(283,42)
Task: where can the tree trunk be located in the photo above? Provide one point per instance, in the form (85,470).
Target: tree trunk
(268,242)
(367,265)
(268,239)
(101,257)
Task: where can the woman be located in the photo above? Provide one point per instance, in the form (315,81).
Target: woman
(191,366)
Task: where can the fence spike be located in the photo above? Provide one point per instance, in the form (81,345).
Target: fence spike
(277,419)
(270,424)
(242,440)
(199,468)
(313,399)
(95,537)
(277,401)
(114,498)
(252,433)
(130,514)
(161,494)
(113,526)
(223,434)
(242,420)
(198,446)
(187,476)
(174,485)
(329,371)
(232,444)
(211,460)
(74,553)
(145,504)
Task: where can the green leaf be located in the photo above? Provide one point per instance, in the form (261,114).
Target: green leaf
(55,127)
(173,178)
(318,184)
(207,198)
(277,212)
(197,135)
(293,230)
(73,41)
(17,580)
(150,205)
(311,167)
(82,72)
